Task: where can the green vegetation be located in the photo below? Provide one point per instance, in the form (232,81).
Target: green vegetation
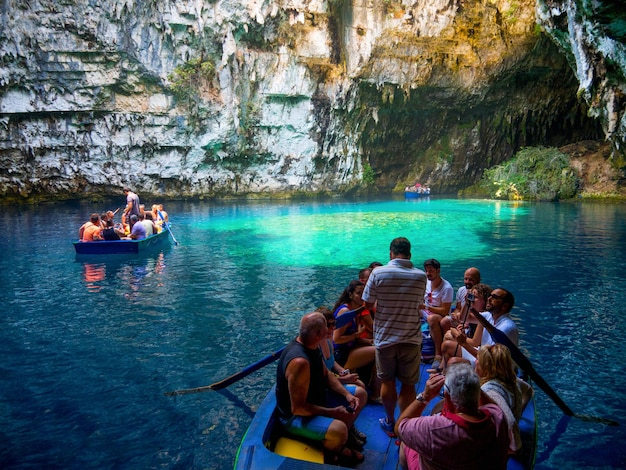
(187,79)
(369,177)
(534,173)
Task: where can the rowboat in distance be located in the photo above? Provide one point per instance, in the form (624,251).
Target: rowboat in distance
(265,446)
(124,247)
(416,191)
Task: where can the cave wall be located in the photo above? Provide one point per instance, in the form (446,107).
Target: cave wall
(188,98)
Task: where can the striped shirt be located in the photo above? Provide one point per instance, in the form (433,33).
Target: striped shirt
(398,289)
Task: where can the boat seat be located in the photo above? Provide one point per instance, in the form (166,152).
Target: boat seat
(288,447)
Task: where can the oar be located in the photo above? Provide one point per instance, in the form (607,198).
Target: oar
(341,321)
(524,363)
(167,226)
(232,378)
(347,317)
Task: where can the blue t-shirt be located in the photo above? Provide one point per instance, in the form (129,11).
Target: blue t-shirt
(138,232)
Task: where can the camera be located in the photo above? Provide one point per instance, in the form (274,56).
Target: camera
(349,409)
(470,297)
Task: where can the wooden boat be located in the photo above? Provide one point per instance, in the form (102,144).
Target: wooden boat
(416,194)
(264,447)
(123,247)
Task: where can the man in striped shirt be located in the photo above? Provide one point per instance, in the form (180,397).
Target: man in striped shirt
(397,289)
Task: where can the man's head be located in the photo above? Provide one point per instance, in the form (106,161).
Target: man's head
(313,329)
(126,190)
(462,387)
(364,275)
(432,267)
(400,248)
(471,277)
(95,218)
(500,301)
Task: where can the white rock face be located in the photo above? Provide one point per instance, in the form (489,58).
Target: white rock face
(590,49)
(88,100)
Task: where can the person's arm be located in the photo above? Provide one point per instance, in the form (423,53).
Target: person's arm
(298,374)
(467,343)
(443,309)
(417,407)
(335,385)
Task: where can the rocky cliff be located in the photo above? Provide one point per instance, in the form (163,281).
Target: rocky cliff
(192,98)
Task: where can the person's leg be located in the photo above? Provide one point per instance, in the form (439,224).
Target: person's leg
(336,436)
(407,396)
(446,323)
(408,373)
(435,332)
(450,348)
(389,396)
(331,433)
(360,357)
(386,370)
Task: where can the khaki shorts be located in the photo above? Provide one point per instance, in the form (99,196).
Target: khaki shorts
(399,361)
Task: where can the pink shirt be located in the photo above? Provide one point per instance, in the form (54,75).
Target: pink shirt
(437,442)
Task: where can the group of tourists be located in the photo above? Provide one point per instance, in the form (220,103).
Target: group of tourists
(327,375)
(136,223)
(418,188)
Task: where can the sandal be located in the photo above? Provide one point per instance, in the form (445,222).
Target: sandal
(352,459)
(354,442)
(361,436)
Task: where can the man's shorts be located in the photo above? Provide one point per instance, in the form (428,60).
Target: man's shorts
(316,427)
(399,361)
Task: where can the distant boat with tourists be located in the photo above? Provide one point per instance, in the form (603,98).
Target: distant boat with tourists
(416,191)
(125,246)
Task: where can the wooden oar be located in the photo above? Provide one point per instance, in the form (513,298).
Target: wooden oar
(524,363)
(232,378)
(167,226)
(341,321)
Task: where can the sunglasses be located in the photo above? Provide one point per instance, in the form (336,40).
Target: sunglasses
(497,297)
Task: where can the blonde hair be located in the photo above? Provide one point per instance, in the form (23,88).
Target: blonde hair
(496,363)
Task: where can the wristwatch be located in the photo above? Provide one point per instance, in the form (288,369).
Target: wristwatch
(420,397)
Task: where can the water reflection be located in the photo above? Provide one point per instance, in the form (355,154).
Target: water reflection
(121,271)
(94,274)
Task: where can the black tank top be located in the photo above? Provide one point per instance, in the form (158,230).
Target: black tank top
(317,384)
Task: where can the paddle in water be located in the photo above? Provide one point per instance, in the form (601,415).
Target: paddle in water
(341,321)
(167,226)
(524,363)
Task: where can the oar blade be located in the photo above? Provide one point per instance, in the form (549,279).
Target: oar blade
(596,419)
(231,378)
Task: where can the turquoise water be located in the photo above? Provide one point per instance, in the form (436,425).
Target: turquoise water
(89,346)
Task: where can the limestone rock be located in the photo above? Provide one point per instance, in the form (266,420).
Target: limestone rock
(189,98)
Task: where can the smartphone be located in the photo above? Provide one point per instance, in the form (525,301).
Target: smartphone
(349,409)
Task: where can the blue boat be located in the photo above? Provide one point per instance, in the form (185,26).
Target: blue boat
(123,247)
(265,447)
(415,194)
